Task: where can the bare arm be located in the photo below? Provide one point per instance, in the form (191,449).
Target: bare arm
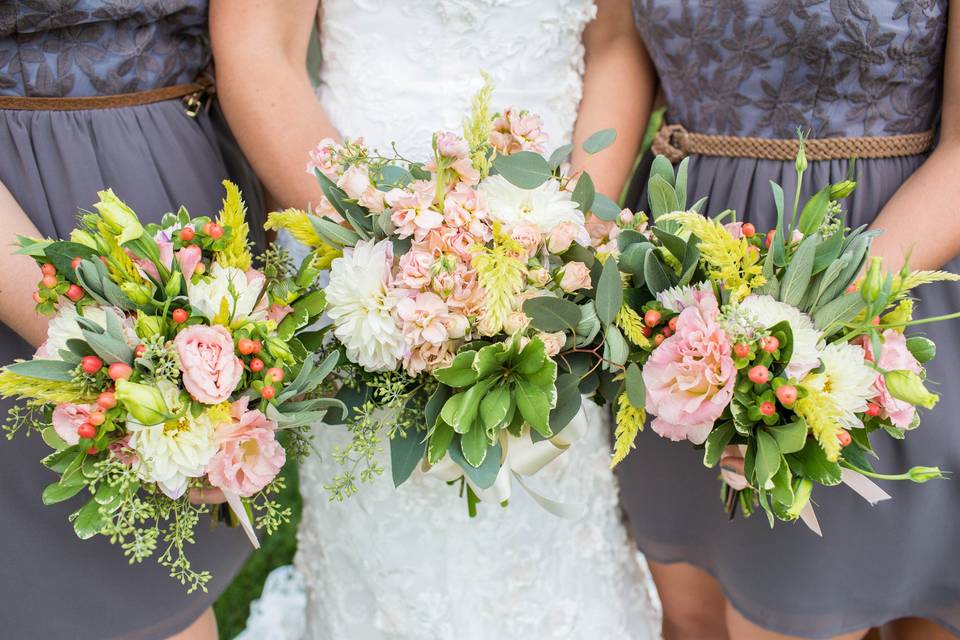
(924,214)
(19,275)
(260,48)
(619,86)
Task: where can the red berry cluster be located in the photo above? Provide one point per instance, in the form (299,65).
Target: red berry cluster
(271,377)
(657,325)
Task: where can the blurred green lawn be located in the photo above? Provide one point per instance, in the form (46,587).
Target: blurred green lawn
(233,606)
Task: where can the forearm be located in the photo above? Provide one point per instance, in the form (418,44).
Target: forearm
(618,91)
(18,274)
(922,216)
(268,99)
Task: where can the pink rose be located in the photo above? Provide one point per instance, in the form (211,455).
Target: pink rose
(562,236)
(516,322)
(553,342)
(528,235)
(355,181)
(67,418)
(211,370)
(576,276)
(539,277)
(250,456)
(690,378)
(894,356)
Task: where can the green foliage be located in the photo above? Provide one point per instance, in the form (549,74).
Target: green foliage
(524,169)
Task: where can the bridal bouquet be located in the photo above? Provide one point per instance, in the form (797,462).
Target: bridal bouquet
(774,343)
(461,296)
(169,363)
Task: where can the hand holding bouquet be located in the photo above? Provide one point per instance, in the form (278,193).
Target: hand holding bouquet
(164,368)
(776,344)
(461,295)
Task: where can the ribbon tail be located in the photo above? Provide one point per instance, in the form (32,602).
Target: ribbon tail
(565,510)
(236,505)
(863,486)
(810,519)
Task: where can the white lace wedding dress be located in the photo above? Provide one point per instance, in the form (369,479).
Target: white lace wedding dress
(410,563)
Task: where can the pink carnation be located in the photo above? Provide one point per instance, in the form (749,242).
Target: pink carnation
(67,418)
(690,377)
(250,456)
(894,356)
(210,368)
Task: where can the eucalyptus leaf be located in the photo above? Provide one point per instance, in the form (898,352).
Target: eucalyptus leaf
(394,176)
(605,208)
(483,475)
(560,154)
(615,348)
(656,275)
(525,169)
(568,402)
(552,314)
(600,141)
(633,383)
(406,452)
(609,293)
(584,192)
(633,258)
(663,168)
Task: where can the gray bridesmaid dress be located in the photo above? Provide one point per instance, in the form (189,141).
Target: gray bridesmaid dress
(53,585)
(836,68)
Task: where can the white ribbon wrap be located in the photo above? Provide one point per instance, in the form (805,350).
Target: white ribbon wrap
(236,505)
(522,457)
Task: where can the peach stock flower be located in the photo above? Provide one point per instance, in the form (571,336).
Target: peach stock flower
(690,377)
(211,369)
(412,212)
(249,457)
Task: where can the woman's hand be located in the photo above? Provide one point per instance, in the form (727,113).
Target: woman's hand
(731,468)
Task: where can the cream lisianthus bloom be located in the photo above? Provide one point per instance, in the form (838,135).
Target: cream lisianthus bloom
(173,451)
(230,290)
(766,312)
(361,300)
(547,206)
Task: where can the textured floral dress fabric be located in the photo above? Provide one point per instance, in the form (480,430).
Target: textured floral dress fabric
(834,68)
(53,162)
(410,563)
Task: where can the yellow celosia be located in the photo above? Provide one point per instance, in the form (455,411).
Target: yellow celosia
(297,224)
(501,274)
(478,127)
(234,215)
(119,264)
(728,260)
(630,421)
(917,278)
(822,416)
(41,391)
(631,324)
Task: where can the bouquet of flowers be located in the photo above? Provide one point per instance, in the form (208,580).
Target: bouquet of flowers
(773,343)
(461,297)
(170,363)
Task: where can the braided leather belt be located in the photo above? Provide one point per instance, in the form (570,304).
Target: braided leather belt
(676,143)
(192,95)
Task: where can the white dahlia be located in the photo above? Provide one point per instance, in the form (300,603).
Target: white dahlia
(63,326)
(172,452)
(846,379)
(230,289)
(546,206)
(766,312)
(360,301)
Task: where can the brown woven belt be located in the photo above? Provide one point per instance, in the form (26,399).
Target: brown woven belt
(192,95)
(676,143)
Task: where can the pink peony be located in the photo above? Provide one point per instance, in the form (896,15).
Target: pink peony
(412,212)
(576,276)
(210,368)
(250,456)
(67,418)
(690,377)
(894,356)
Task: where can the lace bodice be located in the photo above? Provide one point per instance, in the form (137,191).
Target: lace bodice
(409,562)
(765,67)
(397,71)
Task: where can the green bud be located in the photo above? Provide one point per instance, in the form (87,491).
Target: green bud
(925,474)
(144,402)
(842,189)
(149,326)
(82,237)
(908,386)
(172,287)
(923,349)
(802,154)
(873,282)
(120,219)
(139,293)
(801,497)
